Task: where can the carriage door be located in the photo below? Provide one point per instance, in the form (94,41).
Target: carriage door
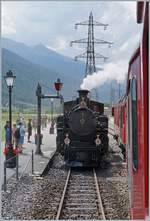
(134,119)
(136,181)
(129,150)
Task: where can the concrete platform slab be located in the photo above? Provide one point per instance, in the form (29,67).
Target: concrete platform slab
(48,148)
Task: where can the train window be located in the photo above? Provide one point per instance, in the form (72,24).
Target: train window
(134,123)
(118,116)
(128,122)
(121,117)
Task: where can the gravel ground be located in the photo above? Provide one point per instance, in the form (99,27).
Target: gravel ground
(113,184)
(38,197)
(114,192)
(35,197)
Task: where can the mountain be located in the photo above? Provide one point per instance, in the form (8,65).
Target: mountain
(40,64)
(28,75)
(41,55)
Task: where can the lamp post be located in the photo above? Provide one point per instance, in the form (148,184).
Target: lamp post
(58,86)
(52,108)
(51,131)
(9,78)
(38,135)
(40,95)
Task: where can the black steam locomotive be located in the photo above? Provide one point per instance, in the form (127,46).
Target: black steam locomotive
(82,132)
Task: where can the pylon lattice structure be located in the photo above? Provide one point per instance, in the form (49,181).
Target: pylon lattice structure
(90,54)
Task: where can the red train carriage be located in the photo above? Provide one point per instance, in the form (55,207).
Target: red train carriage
(133,110)
(137,113)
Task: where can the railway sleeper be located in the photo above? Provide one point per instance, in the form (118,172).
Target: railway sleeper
(81,201)
(82,184)
(82,194)
(79,191)
(80,216)
(79,204)
(82,188)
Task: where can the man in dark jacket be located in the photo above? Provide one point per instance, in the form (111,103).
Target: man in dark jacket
(7,133)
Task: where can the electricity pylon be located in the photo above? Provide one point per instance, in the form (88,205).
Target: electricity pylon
(90,54)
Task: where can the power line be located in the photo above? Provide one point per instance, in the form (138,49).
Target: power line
(90,54)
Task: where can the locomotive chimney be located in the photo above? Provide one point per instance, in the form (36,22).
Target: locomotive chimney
(83,95)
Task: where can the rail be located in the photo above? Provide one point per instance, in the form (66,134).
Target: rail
(63,196)
(99,206)
(101,209)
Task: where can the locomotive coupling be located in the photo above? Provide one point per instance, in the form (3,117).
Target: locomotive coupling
(67,140)
(97,140)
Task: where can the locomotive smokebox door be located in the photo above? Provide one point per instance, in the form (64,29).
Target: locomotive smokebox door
(82,122)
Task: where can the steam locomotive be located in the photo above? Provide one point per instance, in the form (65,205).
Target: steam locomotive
(82,131)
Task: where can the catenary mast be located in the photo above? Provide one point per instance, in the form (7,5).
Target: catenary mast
(90,54)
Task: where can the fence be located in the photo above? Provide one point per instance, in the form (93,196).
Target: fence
(31,159)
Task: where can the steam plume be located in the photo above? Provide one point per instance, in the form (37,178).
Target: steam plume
(111,71)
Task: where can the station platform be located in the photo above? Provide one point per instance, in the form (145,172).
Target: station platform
(40,162)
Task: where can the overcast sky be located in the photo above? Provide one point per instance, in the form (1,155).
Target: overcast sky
(52,24)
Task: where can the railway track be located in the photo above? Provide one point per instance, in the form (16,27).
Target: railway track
(81,197)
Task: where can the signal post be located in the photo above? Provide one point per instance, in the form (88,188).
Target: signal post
(58,85)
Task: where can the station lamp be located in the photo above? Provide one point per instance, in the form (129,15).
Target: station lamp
(9,78)
(58,85)
(11,161)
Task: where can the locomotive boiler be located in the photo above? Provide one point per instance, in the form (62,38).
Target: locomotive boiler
(82,131)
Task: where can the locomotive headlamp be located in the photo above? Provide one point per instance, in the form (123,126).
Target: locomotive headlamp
(67,140)
(97,141)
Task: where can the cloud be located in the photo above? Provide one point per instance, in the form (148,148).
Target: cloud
(8,26)
(60,16)
(112,71)
(55,28)
(132,41)
(130,9)
(61,43)
(51,48)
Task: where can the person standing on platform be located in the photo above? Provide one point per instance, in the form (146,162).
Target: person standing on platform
(17,136)
(22,134)
(13,134)
(7,134)
(29,130)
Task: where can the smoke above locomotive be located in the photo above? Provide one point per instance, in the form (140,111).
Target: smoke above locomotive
(111,72)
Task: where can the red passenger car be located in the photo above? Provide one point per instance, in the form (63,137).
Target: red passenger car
(137,115)
(133,110)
